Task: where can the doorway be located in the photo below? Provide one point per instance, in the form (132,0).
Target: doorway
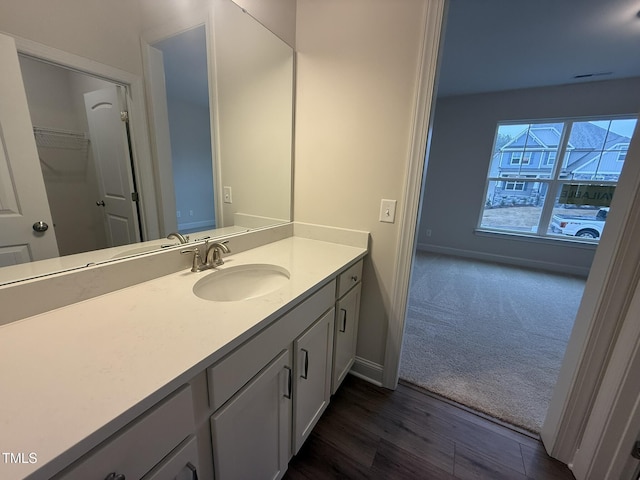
(86,163)
(179,82)
(468,120)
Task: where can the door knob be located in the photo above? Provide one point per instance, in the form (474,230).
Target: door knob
(40,227)
(100,203)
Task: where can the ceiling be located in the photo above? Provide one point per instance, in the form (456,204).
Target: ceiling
(494,45)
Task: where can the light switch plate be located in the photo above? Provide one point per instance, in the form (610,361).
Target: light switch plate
(227,195)
(388,211)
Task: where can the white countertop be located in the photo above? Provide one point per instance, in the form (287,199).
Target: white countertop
(72,376)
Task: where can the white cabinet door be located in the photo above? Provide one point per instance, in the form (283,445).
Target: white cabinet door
(313,352)
(251,433)
(23,199)
(346,336)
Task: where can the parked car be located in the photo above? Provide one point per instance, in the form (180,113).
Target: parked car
(580,226)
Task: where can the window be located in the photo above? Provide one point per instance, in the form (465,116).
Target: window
(514,186)
(551,158)
(622,152)
(565,199)
(516,158)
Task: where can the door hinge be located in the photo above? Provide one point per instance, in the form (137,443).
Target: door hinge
(135,197)
(124,116)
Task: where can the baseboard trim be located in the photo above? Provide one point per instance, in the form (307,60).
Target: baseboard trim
(368,371)
(517,261)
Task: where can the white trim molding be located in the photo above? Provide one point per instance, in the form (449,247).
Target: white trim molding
(614,424)
(607,296)
(367,370)
(423,113)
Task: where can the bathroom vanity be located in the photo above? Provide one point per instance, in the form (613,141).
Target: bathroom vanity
(154,381)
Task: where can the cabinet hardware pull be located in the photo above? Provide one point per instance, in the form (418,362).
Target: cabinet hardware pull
(354,278)
(194,473)
(115,476)
(306,364)
(288,394)
(344,320)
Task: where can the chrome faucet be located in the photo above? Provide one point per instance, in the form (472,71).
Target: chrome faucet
(196,265)
(181,238)
(212,256)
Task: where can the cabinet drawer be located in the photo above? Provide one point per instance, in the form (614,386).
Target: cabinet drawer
(181,464)
(229,375)
(139,446)
(349,278)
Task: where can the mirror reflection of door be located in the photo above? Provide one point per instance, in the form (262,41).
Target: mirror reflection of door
(23,199)
(111,154)
(182,59)
(55,96)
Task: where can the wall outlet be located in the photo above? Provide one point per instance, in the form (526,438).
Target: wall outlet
(427,232)
(227,195)
(178,214)
(191,213)
(388,211)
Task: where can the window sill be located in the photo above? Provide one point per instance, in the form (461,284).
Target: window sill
(523,237)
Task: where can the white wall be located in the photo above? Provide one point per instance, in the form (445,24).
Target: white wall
(463,134)
(191,162)
(356,91)
(254,82)
(107,32)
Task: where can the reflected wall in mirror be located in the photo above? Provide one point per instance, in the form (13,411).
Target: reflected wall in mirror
(180,88)
(249,125)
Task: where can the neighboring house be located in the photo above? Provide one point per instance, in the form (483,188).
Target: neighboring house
(592,153)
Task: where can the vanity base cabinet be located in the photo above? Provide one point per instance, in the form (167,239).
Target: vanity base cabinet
(156,439)
(251,433)
(312,386)
(346,335)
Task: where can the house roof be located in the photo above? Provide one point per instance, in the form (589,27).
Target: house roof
(591,148)
(584,136)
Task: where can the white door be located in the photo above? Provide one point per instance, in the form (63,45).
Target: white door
(110,148)
(23,198)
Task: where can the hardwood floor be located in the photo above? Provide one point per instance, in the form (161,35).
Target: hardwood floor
(369,432)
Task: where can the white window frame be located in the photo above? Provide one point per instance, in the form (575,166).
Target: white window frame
(554,182)
(549,161)
(514,184)
(622,155)
(518,160)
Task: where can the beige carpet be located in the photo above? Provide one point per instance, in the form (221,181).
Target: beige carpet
(489,336)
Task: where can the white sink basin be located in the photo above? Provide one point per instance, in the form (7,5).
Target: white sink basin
(241,282)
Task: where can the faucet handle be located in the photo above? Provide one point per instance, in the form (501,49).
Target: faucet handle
(197,259)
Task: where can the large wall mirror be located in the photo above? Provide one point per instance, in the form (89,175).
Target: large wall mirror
(208,154)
